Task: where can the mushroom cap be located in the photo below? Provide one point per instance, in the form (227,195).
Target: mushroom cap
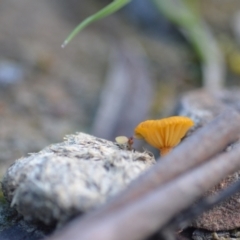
(164,133)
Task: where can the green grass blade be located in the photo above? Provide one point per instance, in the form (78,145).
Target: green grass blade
(106,11)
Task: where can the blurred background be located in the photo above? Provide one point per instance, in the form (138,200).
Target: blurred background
(131,66)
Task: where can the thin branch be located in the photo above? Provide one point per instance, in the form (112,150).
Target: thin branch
(149,204)
(151,212)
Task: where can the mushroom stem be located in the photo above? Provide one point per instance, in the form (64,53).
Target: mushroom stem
(165,151)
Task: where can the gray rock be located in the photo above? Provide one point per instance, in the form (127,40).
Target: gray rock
(70,178)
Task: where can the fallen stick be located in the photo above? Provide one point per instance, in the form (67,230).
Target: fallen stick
(198,148)
(151,212)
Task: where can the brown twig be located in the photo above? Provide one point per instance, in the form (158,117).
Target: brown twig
(152,200)
(151,212)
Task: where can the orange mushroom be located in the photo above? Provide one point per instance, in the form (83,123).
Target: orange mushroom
(164,134)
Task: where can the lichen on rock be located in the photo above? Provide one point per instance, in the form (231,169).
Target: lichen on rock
(70,178)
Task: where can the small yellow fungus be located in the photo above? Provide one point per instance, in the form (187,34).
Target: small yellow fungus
(121,139)
(164,134)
